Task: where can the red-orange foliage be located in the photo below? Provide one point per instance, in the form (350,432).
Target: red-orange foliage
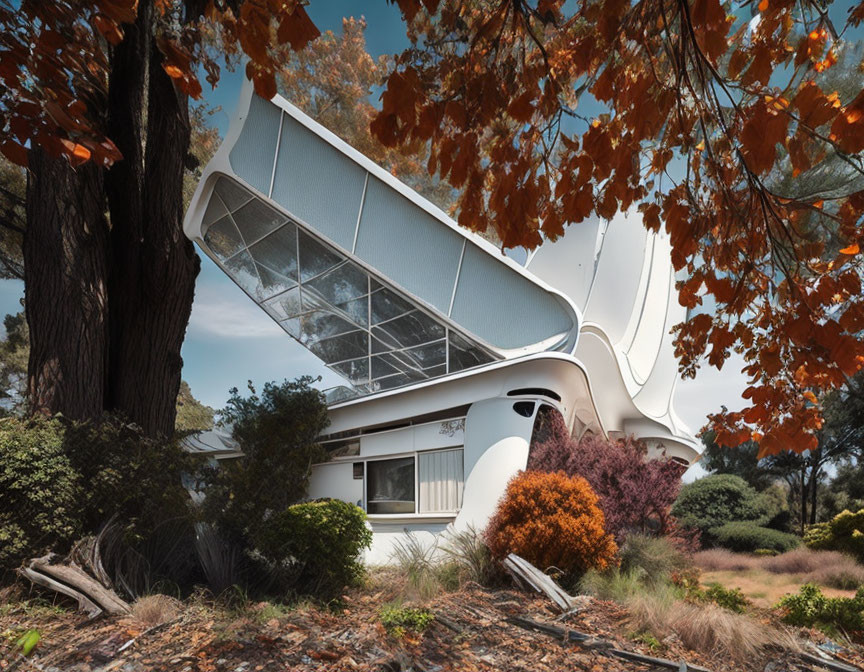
(706,103)
(551,520)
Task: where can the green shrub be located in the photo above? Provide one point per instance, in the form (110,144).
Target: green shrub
(810,608)
(746,537)
(770,552)
(277,430)
(712,501)
(399,620)
(318,544)
(656,558)
(728,598)
(844,532)
(40,491)
(136,480)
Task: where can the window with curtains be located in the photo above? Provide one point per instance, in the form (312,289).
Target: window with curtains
(440,476)
(427,483)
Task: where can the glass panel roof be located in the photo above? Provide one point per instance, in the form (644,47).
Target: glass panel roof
(372,335)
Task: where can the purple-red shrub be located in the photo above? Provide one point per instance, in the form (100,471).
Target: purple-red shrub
(636,494)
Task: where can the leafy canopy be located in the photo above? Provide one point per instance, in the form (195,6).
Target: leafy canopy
(710,113)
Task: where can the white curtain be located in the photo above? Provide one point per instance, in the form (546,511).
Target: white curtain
(441,481)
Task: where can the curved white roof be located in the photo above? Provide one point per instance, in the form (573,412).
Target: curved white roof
(389,291)
(625,281)
(380,284)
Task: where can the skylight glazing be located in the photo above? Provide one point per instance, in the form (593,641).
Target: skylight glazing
(371,335)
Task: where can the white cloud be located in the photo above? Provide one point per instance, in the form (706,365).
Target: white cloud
(697,397)
(222,310)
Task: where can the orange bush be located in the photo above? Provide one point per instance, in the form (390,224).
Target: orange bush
(551,519)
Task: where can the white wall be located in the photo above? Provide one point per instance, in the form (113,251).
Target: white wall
(497,440)
(336,480)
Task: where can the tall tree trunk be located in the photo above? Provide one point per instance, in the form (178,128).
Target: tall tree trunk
(802,484)
(814,492)
(157,279)
(124,185)
(65,275)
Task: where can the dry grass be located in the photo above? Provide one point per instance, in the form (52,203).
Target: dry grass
(710,629)
(155,609)
(706,628)
(768,578)
(763,588)
(721,560)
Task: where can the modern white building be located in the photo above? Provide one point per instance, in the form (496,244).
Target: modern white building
(448,348)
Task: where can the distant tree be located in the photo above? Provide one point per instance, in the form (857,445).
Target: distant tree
(278,431)
(742,460)
(14,353)
(13,218)
(192,415)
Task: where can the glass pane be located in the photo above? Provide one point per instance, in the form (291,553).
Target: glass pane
(398,380)
(231,193)
(343,283)
(324,324)
(464,355)
(384,365)
(215,210)
(272,283)
(315,258)
(427,356)
(357,310)
(256,220)
(285,305)
(224,239)
(390,486)
(242,269)
(413,329)
(278,252)
(355,370)
(382,341)
(338,348)
(386,305)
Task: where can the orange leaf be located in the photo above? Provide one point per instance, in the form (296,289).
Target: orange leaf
(762,131)
(297,28)
(851,249)
(521,108)
(16,153)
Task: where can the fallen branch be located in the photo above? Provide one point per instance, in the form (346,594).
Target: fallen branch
(601,646)
(524,572)
(92,597)
(84,603)
(828,662)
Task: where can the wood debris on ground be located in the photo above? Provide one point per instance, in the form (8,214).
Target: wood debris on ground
(470,632)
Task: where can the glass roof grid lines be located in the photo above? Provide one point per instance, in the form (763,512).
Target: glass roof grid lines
(364,330)
(231,194)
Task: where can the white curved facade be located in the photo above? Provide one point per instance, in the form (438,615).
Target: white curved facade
(448,348)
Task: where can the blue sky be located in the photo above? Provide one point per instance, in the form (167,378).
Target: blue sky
(230,340)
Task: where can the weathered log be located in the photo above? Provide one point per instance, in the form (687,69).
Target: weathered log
(78,580)
(829,662)
(525,572)
(92,597)
(601,646)
(84,603)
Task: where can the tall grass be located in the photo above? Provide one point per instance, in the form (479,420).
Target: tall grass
(826,568)
(430,568)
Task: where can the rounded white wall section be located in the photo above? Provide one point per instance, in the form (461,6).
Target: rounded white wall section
(570,262)
(497,440)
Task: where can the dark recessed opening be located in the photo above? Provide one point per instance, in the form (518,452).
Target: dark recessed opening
(358,471)
(524,408)
(534,390)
